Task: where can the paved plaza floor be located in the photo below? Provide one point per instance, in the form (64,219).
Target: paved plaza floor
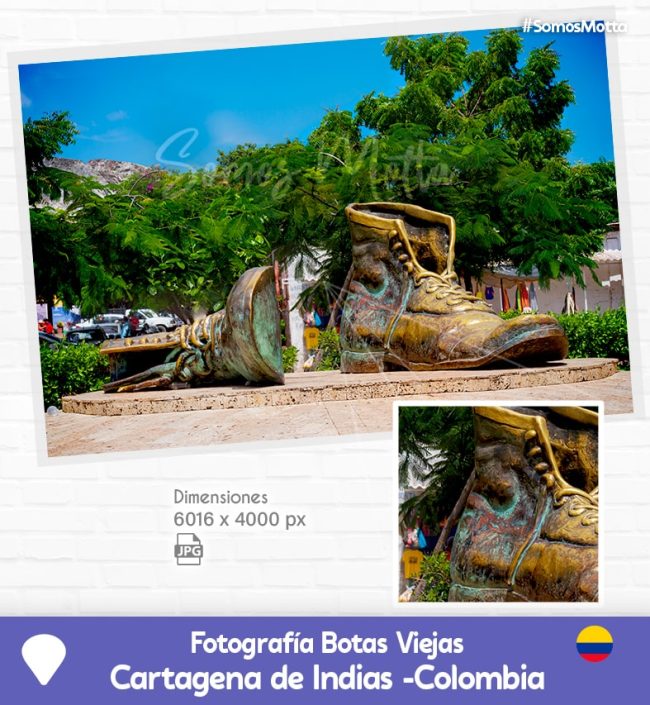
(83,433)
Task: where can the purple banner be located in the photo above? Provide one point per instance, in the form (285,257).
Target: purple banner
(322,660)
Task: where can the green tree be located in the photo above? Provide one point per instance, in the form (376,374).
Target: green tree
(491,151)
(56,251)
(53,243)
(337,135)
(459,94)
(436,448)
(43,140)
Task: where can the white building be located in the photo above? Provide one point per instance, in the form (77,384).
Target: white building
(608,294)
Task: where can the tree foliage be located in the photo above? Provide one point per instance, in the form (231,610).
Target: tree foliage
(492,129)
(43,139)
(436,449)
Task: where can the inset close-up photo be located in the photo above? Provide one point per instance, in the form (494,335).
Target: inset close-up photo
(498,503)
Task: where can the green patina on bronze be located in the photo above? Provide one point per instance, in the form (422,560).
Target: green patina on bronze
(240,342)
(529,531)
(405,309)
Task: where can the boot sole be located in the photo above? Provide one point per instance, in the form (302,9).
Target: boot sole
(538,346)
(253,325)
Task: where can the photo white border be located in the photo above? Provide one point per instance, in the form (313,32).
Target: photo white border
(339,33)
(502,609)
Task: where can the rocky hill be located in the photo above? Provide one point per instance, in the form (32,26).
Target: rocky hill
(105,171)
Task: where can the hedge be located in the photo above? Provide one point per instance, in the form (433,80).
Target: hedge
(596,334)
(71,369)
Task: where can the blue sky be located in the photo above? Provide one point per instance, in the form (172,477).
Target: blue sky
(131,108)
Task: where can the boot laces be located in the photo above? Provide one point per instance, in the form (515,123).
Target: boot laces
(581,503)
(443,286)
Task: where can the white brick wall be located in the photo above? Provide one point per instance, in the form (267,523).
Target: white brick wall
(96,537)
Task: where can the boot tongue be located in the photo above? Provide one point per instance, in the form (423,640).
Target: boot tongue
(440,294)
(430,245)
(428,238)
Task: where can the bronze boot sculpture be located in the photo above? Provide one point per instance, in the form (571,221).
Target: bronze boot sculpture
(240,342)
(405,309)
(529,531)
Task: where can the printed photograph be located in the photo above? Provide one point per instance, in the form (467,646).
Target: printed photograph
(498,503)
(276,242)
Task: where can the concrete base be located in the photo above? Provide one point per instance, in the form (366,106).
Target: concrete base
(317,387)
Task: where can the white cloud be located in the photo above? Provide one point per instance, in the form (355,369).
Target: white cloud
(110,136)
(117,115)
(25,100)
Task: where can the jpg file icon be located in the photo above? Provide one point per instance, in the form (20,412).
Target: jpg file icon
(188,549)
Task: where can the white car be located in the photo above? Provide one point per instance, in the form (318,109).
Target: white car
(108,322)
(151,322)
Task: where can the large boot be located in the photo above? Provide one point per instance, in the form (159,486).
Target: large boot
(405,309)
(240,342)
(529,530)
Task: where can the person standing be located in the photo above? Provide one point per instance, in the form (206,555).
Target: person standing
(134,323)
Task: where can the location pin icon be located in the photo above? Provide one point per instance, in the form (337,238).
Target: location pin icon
(43,653)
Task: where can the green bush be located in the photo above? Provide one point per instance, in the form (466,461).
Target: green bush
(594,334)
(512,313)
(289,358)
(437,578)
(329,346)
(71,369)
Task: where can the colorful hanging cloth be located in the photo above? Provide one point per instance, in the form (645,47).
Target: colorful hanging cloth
(532,297)
(523,296)
(505,301)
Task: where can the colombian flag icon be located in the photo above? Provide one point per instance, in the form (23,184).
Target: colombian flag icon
(594,643)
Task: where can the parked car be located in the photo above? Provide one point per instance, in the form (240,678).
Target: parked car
(173,316)
(91,336)
(108,318)
(51,341)
(151,322)
(110,322)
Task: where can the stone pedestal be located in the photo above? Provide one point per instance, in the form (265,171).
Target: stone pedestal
(314,387)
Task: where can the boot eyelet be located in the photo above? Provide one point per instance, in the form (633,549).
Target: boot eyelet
(549,480)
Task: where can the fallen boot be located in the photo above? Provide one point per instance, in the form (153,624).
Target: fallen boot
(405,309)
(529,531)
(240,342)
